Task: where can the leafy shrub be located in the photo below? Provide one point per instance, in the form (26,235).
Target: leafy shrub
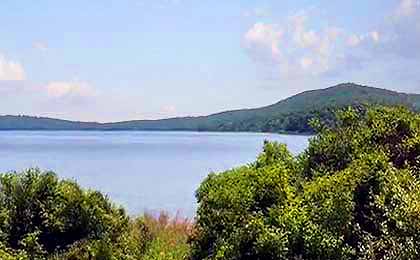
(41,214)
(44,217)
(353,194)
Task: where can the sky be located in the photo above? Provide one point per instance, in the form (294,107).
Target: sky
(113,60)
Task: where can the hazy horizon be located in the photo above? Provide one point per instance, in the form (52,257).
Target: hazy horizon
(108,61)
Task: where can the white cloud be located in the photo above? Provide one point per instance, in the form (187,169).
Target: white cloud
(300,47)
(292,47)
(75,89)
(398,37)
(263,41)
(11,70)
(302,37)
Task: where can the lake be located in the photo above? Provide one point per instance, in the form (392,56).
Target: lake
(143,171)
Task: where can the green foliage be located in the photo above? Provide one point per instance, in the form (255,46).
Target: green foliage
(353,194)
(42,217)
(235,207)
(40,214)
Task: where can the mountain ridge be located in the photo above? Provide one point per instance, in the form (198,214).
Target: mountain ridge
(288,115)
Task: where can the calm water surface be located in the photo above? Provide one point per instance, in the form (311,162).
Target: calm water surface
(139,170)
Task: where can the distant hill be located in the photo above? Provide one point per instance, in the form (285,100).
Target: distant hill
(289,115)
(42,123)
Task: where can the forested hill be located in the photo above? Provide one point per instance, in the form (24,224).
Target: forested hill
(288,115)
(42,123)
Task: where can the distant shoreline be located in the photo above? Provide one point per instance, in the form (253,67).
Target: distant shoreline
(290,116)
(143,130)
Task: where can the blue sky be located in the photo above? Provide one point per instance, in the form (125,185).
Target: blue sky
(115,60)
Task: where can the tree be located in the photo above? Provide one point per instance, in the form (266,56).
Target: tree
(42,216)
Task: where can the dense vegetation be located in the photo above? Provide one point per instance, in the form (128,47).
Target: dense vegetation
(353,194)
(289,115)
(42,217)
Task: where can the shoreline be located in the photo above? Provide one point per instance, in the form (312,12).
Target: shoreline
(146,130)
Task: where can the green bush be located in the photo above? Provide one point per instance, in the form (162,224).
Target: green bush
(43,217)
(353,194)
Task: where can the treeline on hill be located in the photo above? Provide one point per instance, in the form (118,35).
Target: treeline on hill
(353,194)
(291,115)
